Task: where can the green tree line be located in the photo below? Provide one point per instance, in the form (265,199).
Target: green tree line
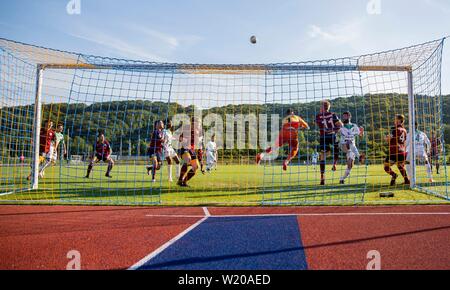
(128,124)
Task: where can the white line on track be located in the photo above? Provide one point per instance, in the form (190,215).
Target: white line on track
(207,215)
(171,242)
(206,211)
(307,214)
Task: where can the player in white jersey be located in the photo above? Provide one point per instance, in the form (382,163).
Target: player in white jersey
(169,153)
(211,154)
(52,155)
(422,146)
(347,143)
(314,158)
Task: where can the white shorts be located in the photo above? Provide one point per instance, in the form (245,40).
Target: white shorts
(420,155)
(210,157)
(351,152)
(169,152)
(314,161)
(52,154)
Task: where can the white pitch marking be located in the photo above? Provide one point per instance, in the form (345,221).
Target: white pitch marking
(12,192)
(172,241)
(308,214)
(166,245)
(338,214)
(206,211)
(175,215)
(207,215)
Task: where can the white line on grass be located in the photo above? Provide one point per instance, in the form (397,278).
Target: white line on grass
(168,244)
(15,191)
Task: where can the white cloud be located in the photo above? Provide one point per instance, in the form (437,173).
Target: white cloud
(137,42)
(341,33)
(112,42)
(155,35)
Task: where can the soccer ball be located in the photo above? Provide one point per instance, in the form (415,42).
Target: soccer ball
(253,39)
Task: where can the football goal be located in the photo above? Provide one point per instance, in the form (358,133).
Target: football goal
(83,129)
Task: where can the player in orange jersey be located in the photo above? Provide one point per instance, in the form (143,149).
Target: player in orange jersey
(288,136)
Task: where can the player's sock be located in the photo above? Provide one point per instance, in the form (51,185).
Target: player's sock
(108,171)
(177,170)
(346,174)
(322,172)
(322,167)
(90,166)
(47,164)
(201,168)
(437,168)
(183,171)
(403,172)
(389,170)
(169,171)
(429,171)
(190,174)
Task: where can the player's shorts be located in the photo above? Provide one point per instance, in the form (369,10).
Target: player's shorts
(289,139)
(434,156)
(350,154)
(314,161)
(191,154)
(102,157)
(155,153)
(170,152)
(328,142)
(394,158)
(421,155)
(199,153)
(188,152)
(52,154)
(210,157)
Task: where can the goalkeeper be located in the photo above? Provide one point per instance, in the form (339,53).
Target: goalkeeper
(289,135)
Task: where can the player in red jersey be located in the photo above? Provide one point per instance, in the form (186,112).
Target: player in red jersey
(102,152)
(329,124)
(397,150)
(47,137)
(288,136)
(155,149)
(436,149)
(190,138)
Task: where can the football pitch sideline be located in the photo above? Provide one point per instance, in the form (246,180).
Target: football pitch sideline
(228,185)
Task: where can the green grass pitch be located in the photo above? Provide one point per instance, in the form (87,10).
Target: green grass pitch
(228,185)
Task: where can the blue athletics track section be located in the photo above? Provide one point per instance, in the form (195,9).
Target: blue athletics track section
(236,243)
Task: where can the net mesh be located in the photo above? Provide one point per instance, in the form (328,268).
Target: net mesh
(241,105)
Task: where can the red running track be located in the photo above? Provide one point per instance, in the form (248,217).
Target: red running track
(39,237)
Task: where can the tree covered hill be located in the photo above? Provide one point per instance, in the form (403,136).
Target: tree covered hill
(128,124)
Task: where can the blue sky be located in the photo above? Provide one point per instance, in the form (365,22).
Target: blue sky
(213,31)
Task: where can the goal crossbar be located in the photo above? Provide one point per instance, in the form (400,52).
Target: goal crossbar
(227,69)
